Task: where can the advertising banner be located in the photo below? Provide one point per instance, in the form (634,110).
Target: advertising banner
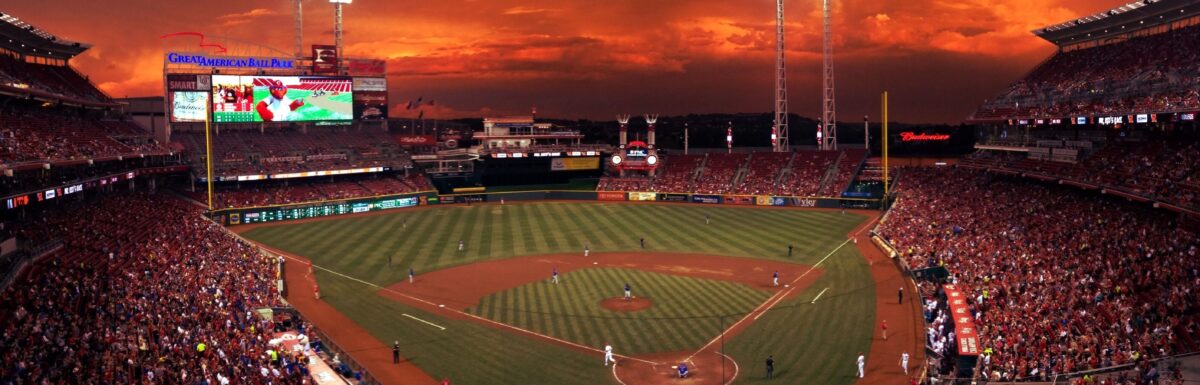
(739,200)
(964,322)
(366,66)
(673,197)
(189,106)
(610,196)
(416,141)
(188,82)
(370,105)
(642,196)
(281,98)
(324,59)
(370,84)
(709,199)
(573,164)
(793,201)
(763,200)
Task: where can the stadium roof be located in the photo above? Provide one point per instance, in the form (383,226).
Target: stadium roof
(1119,21)
(19,36)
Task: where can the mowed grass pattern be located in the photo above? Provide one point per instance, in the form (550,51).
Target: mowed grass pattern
(685,313)
(427,239)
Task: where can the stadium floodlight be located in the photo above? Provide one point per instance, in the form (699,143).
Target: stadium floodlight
(337,26)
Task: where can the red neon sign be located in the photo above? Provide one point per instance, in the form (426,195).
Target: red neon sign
(923,137)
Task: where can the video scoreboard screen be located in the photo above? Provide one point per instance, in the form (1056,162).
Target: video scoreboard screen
(291,213)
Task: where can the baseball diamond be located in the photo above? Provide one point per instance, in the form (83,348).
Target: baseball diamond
(504,279)
(485,192)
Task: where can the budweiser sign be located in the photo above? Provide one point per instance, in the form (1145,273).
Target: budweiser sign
(923,137)
(416,140)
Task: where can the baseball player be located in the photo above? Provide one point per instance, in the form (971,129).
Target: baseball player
(861,361)
(316,291)
(277,106)
(900,294)
(608,355)
(628,291)
(585,251)
(770,367)
(554,276)
(411,273)
(396,352)
(789,250)
(775,278)
(643,241)
(683,370)
(904,361)
(883,327)
(706,219)
(461,245)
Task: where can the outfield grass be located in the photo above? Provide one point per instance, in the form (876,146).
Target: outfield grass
(812,343)
(685,315)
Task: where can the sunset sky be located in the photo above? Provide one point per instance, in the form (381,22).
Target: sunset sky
(939,59)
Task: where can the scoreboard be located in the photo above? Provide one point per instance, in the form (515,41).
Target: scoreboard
(319,210)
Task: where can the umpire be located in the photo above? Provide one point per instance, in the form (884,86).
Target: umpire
(396,352)
(770,367)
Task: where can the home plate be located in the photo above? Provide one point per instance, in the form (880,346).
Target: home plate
(787,285)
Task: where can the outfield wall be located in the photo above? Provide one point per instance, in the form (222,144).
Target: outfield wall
(319,209)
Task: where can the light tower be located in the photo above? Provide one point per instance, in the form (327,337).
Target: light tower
(623,121)
(827,133)
(337,27)
(781,114)
(298,25)
(651,119)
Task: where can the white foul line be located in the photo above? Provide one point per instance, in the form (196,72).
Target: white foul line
(819,295)
(789,291)
(426,322)
(771,301)
(481,319)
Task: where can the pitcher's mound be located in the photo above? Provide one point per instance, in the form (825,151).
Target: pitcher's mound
(622,305)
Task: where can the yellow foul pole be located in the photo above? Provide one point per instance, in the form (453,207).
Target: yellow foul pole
(885,145)
(208,152)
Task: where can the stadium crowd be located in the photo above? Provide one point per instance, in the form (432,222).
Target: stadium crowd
(38,134)
(1163,169)
(313,189)
(1130,76)
(1061,280)
(800,173)
(146,292)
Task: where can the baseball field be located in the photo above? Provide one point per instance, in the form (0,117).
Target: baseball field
(490,313)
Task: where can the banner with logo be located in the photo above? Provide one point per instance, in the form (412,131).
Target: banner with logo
(324,59)
(642,196)
(370,84)
(709,199)
(176,82)
(416,140)
(793,201)
(610,196)
(573,164)
(763,200)
(739,200)
(964,322)
(370,105)
(673,197)
(366,66)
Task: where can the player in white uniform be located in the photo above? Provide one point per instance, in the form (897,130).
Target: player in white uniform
(861,361)
(904,361)
(608,355)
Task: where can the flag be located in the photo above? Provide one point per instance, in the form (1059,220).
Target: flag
(421,115)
